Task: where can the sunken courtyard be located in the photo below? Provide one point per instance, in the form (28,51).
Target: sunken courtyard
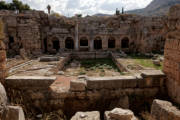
(119,67)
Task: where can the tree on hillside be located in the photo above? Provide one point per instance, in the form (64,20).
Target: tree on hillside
(15,5)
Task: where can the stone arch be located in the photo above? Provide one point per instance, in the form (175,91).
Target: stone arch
(125,42)
(55,43)
(111,42)
(69,43)
(84,43)
(97,43)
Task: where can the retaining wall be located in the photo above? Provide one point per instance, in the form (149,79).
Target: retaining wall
(88,93)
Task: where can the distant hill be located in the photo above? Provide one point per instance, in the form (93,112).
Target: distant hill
(156,8)
(101,15)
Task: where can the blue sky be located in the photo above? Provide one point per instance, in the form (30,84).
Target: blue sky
(86,7)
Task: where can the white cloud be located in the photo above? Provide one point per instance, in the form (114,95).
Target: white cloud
(71,7)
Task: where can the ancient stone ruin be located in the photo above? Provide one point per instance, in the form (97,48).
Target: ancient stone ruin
(89,68)
(37,33)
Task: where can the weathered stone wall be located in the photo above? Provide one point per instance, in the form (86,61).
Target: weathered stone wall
(6,112)
(24,30)
(37,32)
(86,94)
(172,54)
(145,34)
(2,53)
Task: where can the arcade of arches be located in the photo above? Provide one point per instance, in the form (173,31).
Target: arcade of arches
(86,44)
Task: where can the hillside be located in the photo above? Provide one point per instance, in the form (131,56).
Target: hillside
(156,8)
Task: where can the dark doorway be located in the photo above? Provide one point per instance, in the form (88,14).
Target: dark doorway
(125,42)
(45,45)
(83,42)
(69,43)
(56,45)
(111,43)
(11,41)
(97,43)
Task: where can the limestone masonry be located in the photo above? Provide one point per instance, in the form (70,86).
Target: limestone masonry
(38,33)
(45,43)
(172,56)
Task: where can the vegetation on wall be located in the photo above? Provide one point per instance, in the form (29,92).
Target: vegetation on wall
(55,14)
(14,5)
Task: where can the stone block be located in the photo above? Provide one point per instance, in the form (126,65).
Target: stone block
(156,62)
(112,82)
(13,113)
(23,82)
(2,55)
(2,65)
(78,85)
(152,78)
(2,45)
(152,73)
(3,98)
(119,114)
(95,115)
(164,110)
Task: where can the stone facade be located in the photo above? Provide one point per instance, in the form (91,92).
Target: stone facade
(23,31)
(172,56)
(37,32)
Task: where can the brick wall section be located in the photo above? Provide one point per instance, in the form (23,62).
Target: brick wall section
(2,54)
(172,54)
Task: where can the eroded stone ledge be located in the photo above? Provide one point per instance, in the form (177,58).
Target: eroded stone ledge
(28,82)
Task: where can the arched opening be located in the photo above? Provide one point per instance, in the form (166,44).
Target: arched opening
(56,44)
(125,42)
(11,41)
(84,44)
(83,41)
(69,43)
(45,45)
(97,43)
(111,42)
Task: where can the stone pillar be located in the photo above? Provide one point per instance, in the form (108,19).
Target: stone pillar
(62,44)
(118,44)
(76,38)
(104,43)
(91,45)
(2,54)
